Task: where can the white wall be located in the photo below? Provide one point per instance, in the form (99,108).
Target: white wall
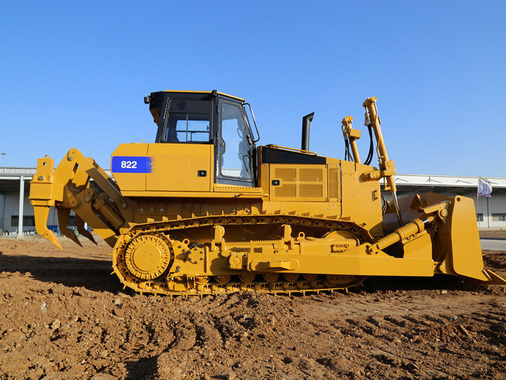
(9,205)
(496,205)
(2,209)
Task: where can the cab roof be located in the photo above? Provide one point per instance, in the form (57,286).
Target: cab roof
(205,92)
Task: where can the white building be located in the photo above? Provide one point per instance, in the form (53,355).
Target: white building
(491,212)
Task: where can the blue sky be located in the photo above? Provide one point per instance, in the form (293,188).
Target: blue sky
(74,74)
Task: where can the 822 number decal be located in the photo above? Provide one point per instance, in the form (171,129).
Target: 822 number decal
(131,164)
(128,165)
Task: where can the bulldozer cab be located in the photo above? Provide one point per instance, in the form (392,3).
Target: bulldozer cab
(208,118)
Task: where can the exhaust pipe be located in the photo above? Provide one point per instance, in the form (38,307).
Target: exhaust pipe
(306,121)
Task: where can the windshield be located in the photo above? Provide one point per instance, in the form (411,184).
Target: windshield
(188,120)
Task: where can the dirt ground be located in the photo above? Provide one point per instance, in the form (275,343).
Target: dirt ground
(64,316)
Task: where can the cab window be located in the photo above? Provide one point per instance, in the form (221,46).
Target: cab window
(234,150)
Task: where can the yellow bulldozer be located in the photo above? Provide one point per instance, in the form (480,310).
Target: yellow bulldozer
(204,210)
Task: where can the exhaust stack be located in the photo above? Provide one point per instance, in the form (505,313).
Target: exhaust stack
(306,121)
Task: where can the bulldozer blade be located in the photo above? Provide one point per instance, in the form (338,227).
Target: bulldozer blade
(83,231)
(41,214)
(63,221)
(466,254)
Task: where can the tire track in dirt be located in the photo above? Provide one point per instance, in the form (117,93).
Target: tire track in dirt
(66,317)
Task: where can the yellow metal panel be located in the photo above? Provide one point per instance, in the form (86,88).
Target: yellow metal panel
(263,177)
(334,183)
(331,209)
(131,181)
(311,175)
(41,185)
(218,191)
(311,191)
(193,194)
(352,262)
(175,167)
(226,188)
(361,201)
(286,174)
(332,161)
(298,182)
(285,191)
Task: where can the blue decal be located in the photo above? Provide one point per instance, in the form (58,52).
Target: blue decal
(129,164)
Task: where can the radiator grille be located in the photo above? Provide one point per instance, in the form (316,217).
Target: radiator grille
(299,182)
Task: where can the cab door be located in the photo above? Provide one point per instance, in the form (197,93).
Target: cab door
(234,146)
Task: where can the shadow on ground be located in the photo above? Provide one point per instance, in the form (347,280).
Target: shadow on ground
(90,274)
